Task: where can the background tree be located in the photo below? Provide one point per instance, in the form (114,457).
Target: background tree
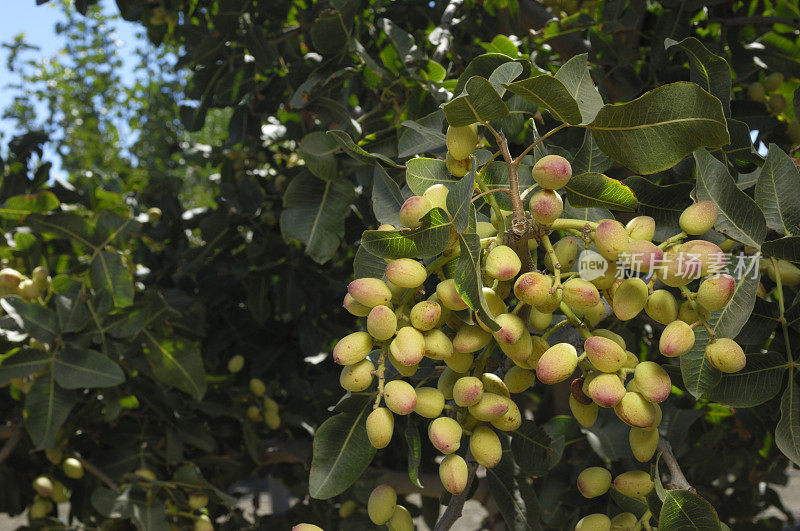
(261,214)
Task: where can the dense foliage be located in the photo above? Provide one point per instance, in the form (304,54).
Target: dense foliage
(268,137)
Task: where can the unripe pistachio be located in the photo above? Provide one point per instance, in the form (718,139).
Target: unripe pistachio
(355,307)
(635,410)
(642,256)
(512,328)
(409,346)
(458,168)
(28,289)
(518,379)
(630,298)
(679,269)
(235,364)
(356,377)
(652,380)
(502,263)
(401,520)
(566,251)
(489,407)
(40,509)
(447,380)
(538,347)
(445,434)
(676,339)
(611,239)
(552,172)
(594,522)
(197,500)
(453,473)
(43,485)
(710,255)
(369,292)
(145,473)
(631,361)
(511,420)
(610,275)
(580,294)
(462,141)
(624,522)
(460,362)
(756,91)
(539,320)
(425,315)
(347,509)
(790,274)
(381,504)
(272,420)
(41,277)
(533,288)
(448,296)
(400,397)
(689,314)
(72,468)
(471,338)
(437,195)
(495,304)
(380,427)
(381,323)
(404,370)
(585,414)
(351,349)
(773,81)
(726,355)
(396,291)
(777,103)
(494,384)
(203,523)
(557,363)
(54,455)
(506,218)
(10,278)
(657,420)
(60,493)
(386,227)
(634,483)
(485,229)
(594,481)
(430,402)
(484,444)
(519,352)
(715,292)
(437,345)
(641,228)
(644,442)
(662,307)
(546,206)
(467,391)
(406,273)
(254,413)
(698,218)
(270,405)
(413,210)
(604,354)
(605,389)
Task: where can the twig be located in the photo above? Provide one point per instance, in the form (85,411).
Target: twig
(11,442)
(380,372)
(519,223)
(446,36)
(518,160)
(456,505)
(102,476)
(677,479)
(505,190)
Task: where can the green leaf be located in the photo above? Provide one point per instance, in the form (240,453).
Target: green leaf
(708,70)
(459,199)
(787,248)
(73,314)
(149,514)
(424,242)
(549,93)
(63,225)
(386,197)
(778,176)
(514,497)
(739,216)
(75,369)
(655,131)
(740,152)
(109,272)
(586,214)
(574,74)
(787,432)
(503,74)
(422,135)
(479,103)
(598,190)
(176,362)
(484,65)
(468,276)
(341,452)
(684,510)
(315,212)
(317,150)
(22,363)
(589,157)
(358,153)
(414,443)
(39,322)
(407,49)
(495,175)
(47,406)
(698,374)
(758,382)
(422,173)
(112,503)
(532,449)
(330,32)
(662,203)
(19,206)
(368,264)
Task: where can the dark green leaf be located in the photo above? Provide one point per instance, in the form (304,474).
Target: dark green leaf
(549,93)
(514,497)
(47,406)
(414,443)
(358,153)
(421,136)
(177,363)
(424,242)
(574,74)
(589,157)
(330,32)
(708,70)
(479,103)
(532,449)
(75,369)
(368,264)
(468,276)
(459,199)
(422,173)
(787,432)
(683,510)
(662,203)
(317,150)
(759,381)
(109,272)
(484,65)
(655,131)
(386,197)
(787,248)
(778,176)
(39,322)
(597,190)
(22,363)
(72,312)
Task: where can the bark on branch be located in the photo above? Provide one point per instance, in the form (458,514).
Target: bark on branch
(677,479)
(456,505)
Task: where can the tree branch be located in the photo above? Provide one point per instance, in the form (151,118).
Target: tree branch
(102,476)
(677,479)
(11,442)
(445,33)
(456,505)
